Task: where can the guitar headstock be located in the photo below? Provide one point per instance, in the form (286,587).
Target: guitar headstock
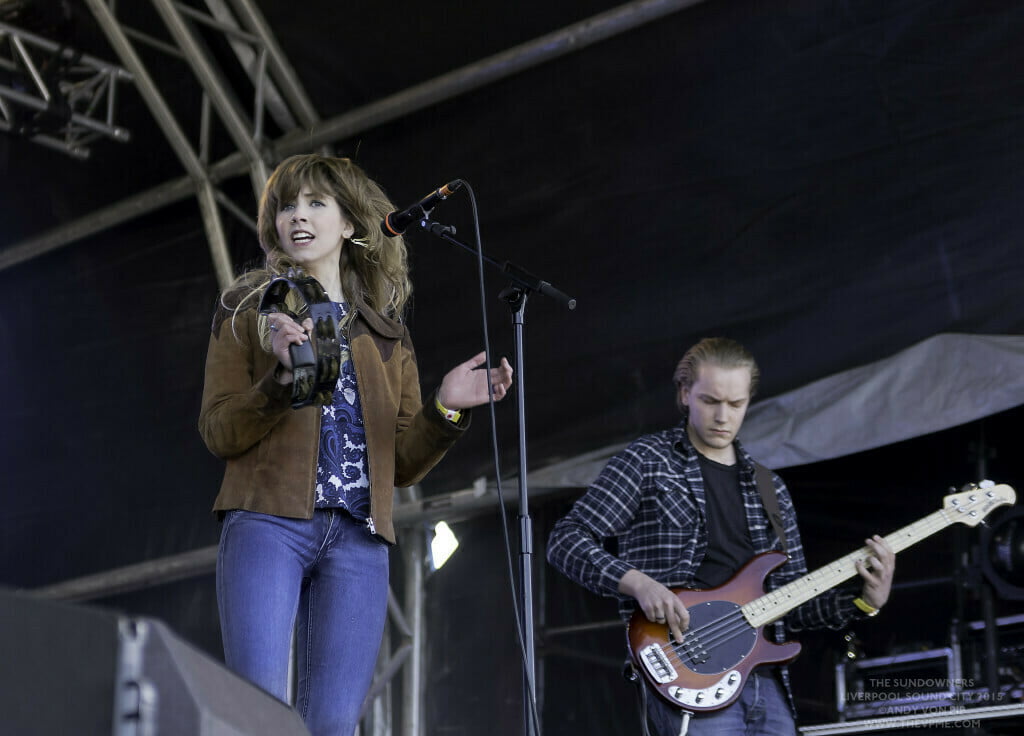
(976,501)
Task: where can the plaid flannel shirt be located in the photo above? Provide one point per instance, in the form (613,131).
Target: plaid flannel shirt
(651,498)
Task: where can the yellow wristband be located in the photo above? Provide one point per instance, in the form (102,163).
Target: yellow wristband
(452,415)
(865,607)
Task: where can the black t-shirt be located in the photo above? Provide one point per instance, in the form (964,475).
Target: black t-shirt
(729,545)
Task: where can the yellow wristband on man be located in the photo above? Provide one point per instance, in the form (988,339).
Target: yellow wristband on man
(452,415)
(866,608)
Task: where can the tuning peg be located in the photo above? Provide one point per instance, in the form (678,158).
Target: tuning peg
(986,484)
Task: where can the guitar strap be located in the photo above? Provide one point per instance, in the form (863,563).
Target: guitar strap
(770,500)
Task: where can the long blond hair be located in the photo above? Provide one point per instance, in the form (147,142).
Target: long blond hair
(374,268)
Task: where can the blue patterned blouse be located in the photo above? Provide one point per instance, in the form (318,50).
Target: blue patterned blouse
(342,473)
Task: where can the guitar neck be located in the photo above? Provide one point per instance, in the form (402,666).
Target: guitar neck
(776,604)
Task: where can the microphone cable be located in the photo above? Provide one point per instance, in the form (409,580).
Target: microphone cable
(520,638)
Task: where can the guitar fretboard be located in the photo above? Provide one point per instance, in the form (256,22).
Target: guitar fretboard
(776,604)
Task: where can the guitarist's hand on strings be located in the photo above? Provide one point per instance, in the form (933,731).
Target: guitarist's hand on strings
(876,570)
(659,604)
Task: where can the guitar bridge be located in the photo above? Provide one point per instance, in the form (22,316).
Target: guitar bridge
(656,663)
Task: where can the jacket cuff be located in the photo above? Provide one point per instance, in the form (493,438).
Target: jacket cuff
(613,574)
(431,410)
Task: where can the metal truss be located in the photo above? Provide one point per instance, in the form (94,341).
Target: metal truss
(54,92)
(56,96)
(312,133)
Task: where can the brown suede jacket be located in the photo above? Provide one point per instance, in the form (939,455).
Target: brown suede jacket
(271,449)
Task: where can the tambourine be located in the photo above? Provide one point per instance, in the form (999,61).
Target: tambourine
(315,371)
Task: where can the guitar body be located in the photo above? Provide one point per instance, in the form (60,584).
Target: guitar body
(707,670)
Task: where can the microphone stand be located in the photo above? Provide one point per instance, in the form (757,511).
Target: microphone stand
(516,295)
(520,277)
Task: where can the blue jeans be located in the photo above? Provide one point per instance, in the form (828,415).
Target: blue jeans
(326,579)
(761,710)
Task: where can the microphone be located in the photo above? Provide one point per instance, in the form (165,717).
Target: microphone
(395,223)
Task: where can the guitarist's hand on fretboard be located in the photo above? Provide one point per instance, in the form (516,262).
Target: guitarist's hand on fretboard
(877,570)
(659,604)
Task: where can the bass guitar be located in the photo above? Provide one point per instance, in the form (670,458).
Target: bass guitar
(726,640)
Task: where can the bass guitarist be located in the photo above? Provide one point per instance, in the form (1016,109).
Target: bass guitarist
(688,510)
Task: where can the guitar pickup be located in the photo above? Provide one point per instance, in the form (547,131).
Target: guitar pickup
(656,663)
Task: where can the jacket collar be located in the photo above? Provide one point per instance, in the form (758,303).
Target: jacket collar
(383,326)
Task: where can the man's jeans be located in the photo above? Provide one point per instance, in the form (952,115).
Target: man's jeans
(761,710)
(327,580)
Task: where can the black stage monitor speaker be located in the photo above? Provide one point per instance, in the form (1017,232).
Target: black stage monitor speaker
(68,670)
